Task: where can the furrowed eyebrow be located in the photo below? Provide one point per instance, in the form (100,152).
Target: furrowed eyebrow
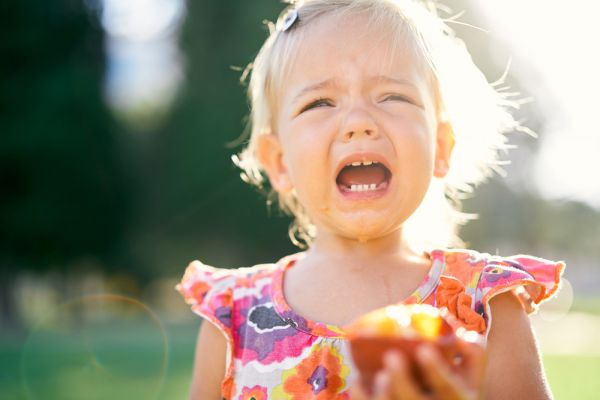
(397,81)
(311,88)
(330,82)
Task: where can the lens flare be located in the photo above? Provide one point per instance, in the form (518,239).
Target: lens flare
(96,347)
(560,305)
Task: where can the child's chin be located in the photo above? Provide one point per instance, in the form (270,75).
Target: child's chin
(362,232)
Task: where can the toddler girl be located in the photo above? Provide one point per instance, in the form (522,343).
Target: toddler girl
(369,119)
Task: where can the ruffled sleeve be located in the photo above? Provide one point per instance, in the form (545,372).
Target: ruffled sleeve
(532,279)
(209,291)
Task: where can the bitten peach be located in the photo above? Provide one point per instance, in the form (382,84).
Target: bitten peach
(403,328)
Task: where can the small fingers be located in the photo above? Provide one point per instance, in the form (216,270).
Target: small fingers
(357,393)
(437,372)
(402,385)
(380,388)
(474,360)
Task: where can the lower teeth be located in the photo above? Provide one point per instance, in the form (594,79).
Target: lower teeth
(363,188)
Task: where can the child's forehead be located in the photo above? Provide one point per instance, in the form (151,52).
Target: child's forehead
(342,47)
(337,35)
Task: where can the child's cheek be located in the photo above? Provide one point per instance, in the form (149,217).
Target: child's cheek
(311,167)
(413,138)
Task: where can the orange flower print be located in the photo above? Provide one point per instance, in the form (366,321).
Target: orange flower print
(451,294)
(319,376)
(198,290)
(254,393)
(193,289)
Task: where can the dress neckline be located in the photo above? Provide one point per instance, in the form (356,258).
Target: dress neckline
(316,328)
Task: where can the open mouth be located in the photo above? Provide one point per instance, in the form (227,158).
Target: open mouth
(363,176)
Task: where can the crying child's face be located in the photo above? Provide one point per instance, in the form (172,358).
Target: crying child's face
(357,134)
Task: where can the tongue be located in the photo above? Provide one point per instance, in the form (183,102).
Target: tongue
(362,175)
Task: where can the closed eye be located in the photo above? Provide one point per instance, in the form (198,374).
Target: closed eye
(397,97)
(315,104)
(403,99)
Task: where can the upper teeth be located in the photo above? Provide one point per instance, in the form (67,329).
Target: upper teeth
(359,163)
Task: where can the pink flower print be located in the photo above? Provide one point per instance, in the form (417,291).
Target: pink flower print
(254,393)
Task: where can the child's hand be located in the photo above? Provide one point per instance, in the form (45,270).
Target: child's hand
(446,382)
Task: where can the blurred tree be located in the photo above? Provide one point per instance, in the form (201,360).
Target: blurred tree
(196,204)
(62,192)
(528,223)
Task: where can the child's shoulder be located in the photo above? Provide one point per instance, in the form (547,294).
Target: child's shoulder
(200,279)
(476,268)
(470,279)
(214,292)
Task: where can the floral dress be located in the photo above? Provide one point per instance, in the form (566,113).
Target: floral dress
(274,353)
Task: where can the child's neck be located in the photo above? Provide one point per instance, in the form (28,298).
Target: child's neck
(352,277)
(391,249)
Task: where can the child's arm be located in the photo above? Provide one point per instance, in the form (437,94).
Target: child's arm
(514,369)
(209,364)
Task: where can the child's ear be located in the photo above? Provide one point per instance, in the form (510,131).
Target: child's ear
(270,155)
(444,146)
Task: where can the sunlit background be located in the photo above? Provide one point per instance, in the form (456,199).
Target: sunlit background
(555,61)
(117,124)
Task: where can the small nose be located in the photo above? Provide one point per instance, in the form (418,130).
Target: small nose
(359,123)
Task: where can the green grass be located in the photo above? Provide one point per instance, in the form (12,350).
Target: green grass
(573,377)
(590,305)
(129,362)
(133,362)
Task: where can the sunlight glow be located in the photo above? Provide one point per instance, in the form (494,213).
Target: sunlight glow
(557,63)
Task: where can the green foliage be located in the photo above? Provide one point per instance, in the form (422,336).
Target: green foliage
(199,206)
(528,223)
(63,190)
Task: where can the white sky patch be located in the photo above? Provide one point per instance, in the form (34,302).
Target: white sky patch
(558,63)
(144,62)
(141,19)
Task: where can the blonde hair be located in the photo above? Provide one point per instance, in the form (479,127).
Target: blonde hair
(476,110)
